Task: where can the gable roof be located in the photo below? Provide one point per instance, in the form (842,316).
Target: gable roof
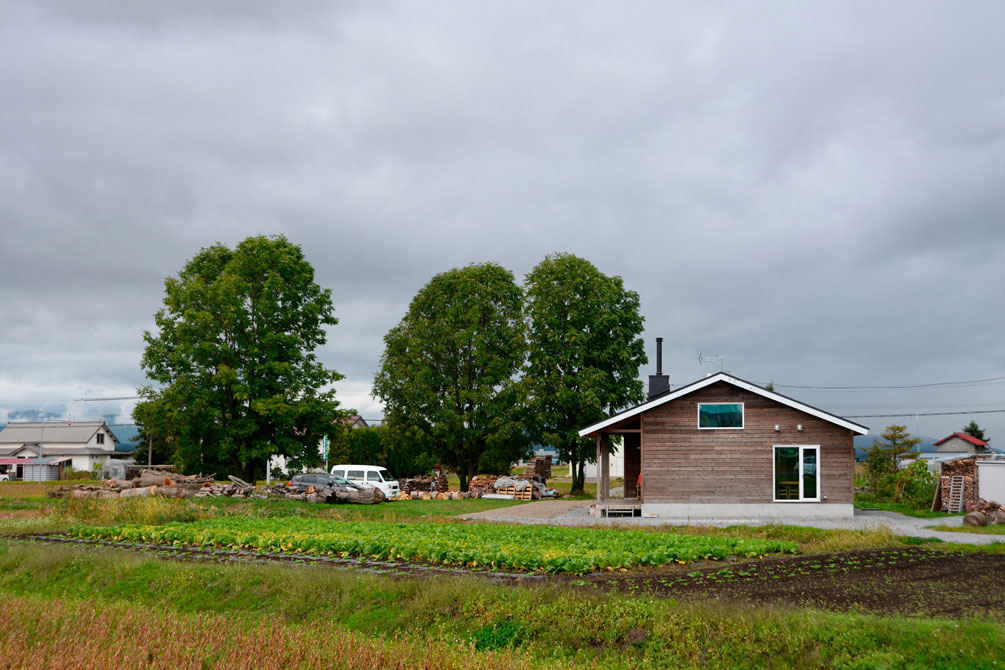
(728,379)
(30,432)
(966,437)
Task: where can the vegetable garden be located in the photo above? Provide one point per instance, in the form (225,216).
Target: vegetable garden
(529,548)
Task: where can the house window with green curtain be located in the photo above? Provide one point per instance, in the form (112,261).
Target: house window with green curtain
(720,415)
(796,475)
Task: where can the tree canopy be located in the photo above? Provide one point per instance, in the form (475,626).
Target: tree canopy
(234,378)
(447,376)
(893,444)
(584,353)
(973,430)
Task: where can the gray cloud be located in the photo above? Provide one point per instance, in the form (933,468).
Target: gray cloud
(813,189)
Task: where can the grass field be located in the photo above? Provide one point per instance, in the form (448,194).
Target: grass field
(64,607)
(240,616)
(981,530)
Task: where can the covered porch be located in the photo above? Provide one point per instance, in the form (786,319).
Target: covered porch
(629,503)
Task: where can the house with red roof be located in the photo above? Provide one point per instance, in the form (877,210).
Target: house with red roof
(962,443)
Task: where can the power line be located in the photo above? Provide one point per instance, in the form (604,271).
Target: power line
(971,382)
(876,416)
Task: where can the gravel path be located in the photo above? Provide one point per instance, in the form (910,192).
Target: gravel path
(576,513)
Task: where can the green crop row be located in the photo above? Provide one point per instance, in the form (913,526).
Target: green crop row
(532,548)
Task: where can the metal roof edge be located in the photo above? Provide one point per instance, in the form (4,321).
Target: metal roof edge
(729,379)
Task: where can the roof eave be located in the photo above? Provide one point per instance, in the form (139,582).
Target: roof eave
(597,428)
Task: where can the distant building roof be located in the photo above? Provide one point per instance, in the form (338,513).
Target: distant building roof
(966,437)
(61,431)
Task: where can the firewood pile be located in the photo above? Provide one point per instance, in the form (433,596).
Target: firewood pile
(422,484)
(983,513)
(962,467)
(483,484)
(539,467)
(173,485)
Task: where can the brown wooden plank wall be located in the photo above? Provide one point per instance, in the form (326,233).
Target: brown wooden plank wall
(682,464)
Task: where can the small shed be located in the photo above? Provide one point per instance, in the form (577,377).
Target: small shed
(44,469)
(991,480)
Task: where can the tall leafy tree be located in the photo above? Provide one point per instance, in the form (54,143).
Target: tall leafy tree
(447,376)
(973,430)
(584,353)
(234,377)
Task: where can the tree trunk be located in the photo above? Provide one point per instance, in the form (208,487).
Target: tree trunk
(576,472)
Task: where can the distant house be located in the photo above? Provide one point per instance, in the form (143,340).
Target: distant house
(957,445)
(85,443)
(723,447)
(961,443)
(356,421)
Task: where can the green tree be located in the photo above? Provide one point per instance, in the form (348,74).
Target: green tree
(447,374)
(973,430)
(374,445)
(234,375)
(584,354)
(882,457)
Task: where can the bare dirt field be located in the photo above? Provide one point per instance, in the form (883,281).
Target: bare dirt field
(912,581)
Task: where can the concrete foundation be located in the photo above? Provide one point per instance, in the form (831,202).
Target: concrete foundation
(759,512)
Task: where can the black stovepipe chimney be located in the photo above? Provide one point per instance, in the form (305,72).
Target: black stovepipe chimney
(659,383)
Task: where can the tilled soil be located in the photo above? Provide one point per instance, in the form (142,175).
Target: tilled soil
(909,581)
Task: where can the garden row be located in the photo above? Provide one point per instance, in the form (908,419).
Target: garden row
(532,548)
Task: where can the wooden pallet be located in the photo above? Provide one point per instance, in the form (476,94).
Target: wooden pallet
(526,494)
(956,486)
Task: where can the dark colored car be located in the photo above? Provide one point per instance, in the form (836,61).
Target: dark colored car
(304,481)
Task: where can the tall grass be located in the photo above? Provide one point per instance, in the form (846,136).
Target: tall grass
(66,635)
(29,489)
(151,510)
(539,627)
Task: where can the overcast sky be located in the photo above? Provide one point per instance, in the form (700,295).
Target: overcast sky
(816,190)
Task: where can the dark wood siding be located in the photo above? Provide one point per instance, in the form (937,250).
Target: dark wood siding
(682,464)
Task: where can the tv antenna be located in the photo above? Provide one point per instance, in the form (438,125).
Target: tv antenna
(710,361)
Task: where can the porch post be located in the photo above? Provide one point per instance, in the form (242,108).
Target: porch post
(599,499)
(604,464)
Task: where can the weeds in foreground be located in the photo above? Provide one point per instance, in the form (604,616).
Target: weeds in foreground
(151,510)
(426,621)
(980,530)
(61,635)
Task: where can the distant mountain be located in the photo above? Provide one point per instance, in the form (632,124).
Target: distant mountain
(128,436)
(863,442)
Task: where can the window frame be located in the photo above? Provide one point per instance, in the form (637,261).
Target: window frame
(99,438)
(743,416)
(774,483)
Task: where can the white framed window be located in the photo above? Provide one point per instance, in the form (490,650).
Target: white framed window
(720,416)
(101,438)
(796,473)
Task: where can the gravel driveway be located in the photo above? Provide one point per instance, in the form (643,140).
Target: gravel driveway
(576,513)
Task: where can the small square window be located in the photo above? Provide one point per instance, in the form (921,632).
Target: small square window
(713,415)
(101,438)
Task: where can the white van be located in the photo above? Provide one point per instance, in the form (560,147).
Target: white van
(369,475)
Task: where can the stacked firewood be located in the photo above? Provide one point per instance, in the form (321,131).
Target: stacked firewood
(539,467)
(483,484)
(982,513)
(961,467)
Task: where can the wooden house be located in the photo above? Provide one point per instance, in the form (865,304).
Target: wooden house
(725,448)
